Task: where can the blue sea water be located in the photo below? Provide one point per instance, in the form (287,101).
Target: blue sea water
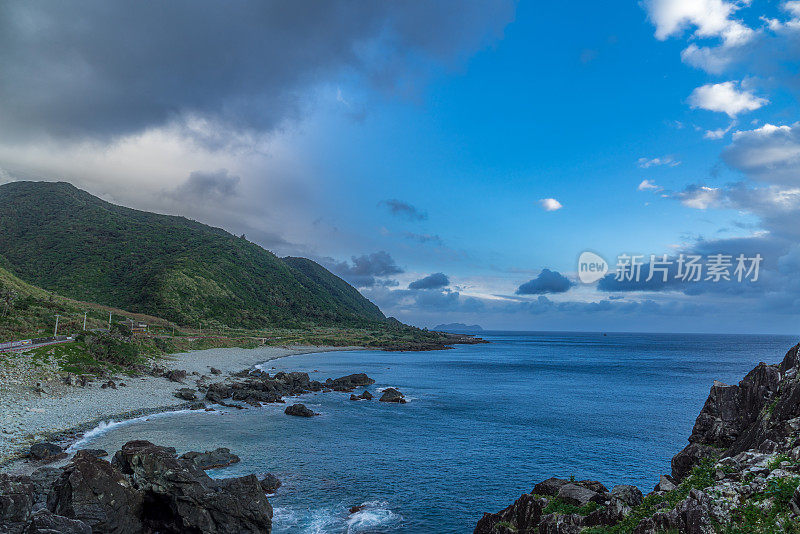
(483,424)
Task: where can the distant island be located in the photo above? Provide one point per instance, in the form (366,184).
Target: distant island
(458,328)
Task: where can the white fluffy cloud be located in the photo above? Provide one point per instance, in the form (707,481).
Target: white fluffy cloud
(710,18)
(725,97)
(550,204)
(648,185)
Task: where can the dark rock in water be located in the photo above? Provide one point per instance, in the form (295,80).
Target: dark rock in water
(109,384)
(549,486)
(45,450)
(270,483)
(299,410)
(366,395)
(349,382)
(46,522)
(176,375)
(215,371)
(187,394)
(357,508)
(91,490)
(221,457)
(218,391)
(392,395)
(577,495)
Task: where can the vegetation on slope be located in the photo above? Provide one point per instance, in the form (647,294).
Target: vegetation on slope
(65,240)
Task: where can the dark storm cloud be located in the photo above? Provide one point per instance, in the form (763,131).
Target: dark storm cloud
(99,69)
(547,282)
(403,209)
(205,185)
(433,281)
(367,270)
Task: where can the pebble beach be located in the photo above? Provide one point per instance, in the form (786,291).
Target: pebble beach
(36,404)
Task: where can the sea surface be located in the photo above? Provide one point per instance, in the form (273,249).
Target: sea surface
(483,424)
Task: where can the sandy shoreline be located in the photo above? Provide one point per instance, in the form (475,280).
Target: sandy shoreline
(63,413)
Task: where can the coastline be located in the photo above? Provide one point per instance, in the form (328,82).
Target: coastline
(62,413)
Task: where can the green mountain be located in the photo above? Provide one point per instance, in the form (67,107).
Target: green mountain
(63,239)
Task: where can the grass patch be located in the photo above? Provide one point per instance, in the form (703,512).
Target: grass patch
(559,506)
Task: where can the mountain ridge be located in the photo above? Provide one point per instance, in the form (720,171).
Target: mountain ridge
(63,239)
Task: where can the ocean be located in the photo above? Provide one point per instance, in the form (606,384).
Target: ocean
(483,424)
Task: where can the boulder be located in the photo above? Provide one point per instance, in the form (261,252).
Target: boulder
(16,502)
(630,495)
(365,395)
(523,516)
(46,522)
(45,450)
(549,486)
(299,410)
(175,375)
(577,495)
(392,395)
(92,491)
(187,394)
(270,483)
(215,371)
(221,457)
(218,391)
(665,483)
(349,382)
(181,497)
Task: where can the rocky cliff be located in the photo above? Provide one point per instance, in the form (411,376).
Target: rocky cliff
(144,489)
(739,473)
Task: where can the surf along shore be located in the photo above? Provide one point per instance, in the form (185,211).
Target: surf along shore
(36,404)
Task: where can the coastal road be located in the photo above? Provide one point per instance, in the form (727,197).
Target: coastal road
(28,344)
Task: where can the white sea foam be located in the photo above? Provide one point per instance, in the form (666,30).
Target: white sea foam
(107,426)
(322,521)
(284,517)
(375,514)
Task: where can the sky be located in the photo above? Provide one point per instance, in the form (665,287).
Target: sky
(451,160)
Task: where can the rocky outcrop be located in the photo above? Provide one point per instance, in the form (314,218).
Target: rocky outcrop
(349,383)
(741,469)
(145,488)
(270,483)
(221,457)
(299,410)
(258,387)
(739,417)
(45,451)
(393,395)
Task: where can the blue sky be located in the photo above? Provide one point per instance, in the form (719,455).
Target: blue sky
(392,143)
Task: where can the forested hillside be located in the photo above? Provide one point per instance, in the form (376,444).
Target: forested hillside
(63,239)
